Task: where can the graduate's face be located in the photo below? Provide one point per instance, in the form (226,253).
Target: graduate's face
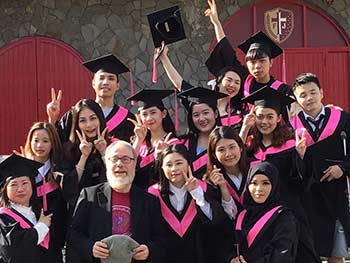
(120,165)
(266,120)
(228,153)
(309,96)
(19,190)
(88,123)
(203,117)
(41,145)
(174,167)
(152,117)
(260,188)
(260,68)
(105,84)
(230,84)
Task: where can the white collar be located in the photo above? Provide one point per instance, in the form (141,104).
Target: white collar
(26,211)
(322,112)
(43,170)
(177,191)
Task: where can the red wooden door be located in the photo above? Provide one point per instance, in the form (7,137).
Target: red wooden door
(29,68)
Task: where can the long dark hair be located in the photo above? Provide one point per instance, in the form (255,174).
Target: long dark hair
(236,103)
(163,181)
(56,146)
(167,125)
(224,132)
(71,148)
(33,201)
(280,135)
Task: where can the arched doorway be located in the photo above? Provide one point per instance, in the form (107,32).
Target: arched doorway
(29,68)
(312,42)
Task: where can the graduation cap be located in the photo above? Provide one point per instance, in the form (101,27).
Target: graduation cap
(223,58)
(261,41)
(199,95)
(108,63)
(111,64)
(151,97)
(17,166)
(268,97)
(166,25)
(120,248)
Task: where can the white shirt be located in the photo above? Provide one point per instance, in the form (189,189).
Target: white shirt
(179,196)
(28,213)
(42,171)
(106,111)
(322,112)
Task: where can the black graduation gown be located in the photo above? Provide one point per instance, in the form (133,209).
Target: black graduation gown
(292,171)
(19,245)
(123,131)
(193,246)
(250,84)
(326,201)
(92,222)
(58,207)
(275,243)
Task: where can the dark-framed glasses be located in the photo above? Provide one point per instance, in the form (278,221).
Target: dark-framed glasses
(123,159)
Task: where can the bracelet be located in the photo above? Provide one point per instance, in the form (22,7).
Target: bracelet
(79,168)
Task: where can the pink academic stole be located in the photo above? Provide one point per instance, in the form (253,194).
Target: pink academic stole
(180,227)
(24,224)
(255,230)
(44,189)
(201,161)
(230,120)
(117,118)
(233,193)
(328,130)
(248,81)
(260,155)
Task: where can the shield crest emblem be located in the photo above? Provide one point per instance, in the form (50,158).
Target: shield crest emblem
(279,24)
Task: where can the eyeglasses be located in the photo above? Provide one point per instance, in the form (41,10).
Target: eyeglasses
(123,159)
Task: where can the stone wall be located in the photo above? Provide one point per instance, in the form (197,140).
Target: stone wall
(97,27)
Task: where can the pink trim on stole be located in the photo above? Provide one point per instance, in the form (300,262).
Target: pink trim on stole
(261,155)
(179,227)
(234,193)
(44,189)
(200,162)
(255,230)
(118,117)
(24,224)
(328,130)
(232,120)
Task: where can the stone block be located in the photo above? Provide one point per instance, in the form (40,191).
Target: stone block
(90,32)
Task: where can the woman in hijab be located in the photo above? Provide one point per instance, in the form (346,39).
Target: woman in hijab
(266,231)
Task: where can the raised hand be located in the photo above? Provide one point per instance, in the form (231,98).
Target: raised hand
(217,177)
(21,152)
(161,145)
(85,146)
(162,51)
(249,119)
(212,12)
(53,107)
(45,219)
(140,129)
(101,143)
(300,143)
(191,182)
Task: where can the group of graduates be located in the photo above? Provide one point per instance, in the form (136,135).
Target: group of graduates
(261,175)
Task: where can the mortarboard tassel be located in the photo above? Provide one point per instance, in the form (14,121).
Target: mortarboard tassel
(176,108)
(229,111)
(284,67)
(132,91)
(154,70)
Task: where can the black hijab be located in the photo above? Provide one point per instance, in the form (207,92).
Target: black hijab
(254,210)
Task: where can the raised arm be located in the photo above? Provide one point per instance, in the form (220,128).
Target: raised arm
(212,13)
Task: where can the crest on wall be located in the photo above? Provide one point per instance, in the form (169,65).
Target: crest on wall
(279,24)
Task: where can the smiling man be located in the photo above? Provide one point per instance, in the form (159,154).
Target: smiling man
(106,80)
(116,207)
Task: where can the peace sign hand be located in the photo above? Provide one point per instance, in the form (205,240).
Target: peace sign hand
(191,182)
(21,152)
(85,146)
(212,12)
(53,107)
(140,129)
(161,145)
(217,177)
(249,119)
(300,143)
(101,143)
